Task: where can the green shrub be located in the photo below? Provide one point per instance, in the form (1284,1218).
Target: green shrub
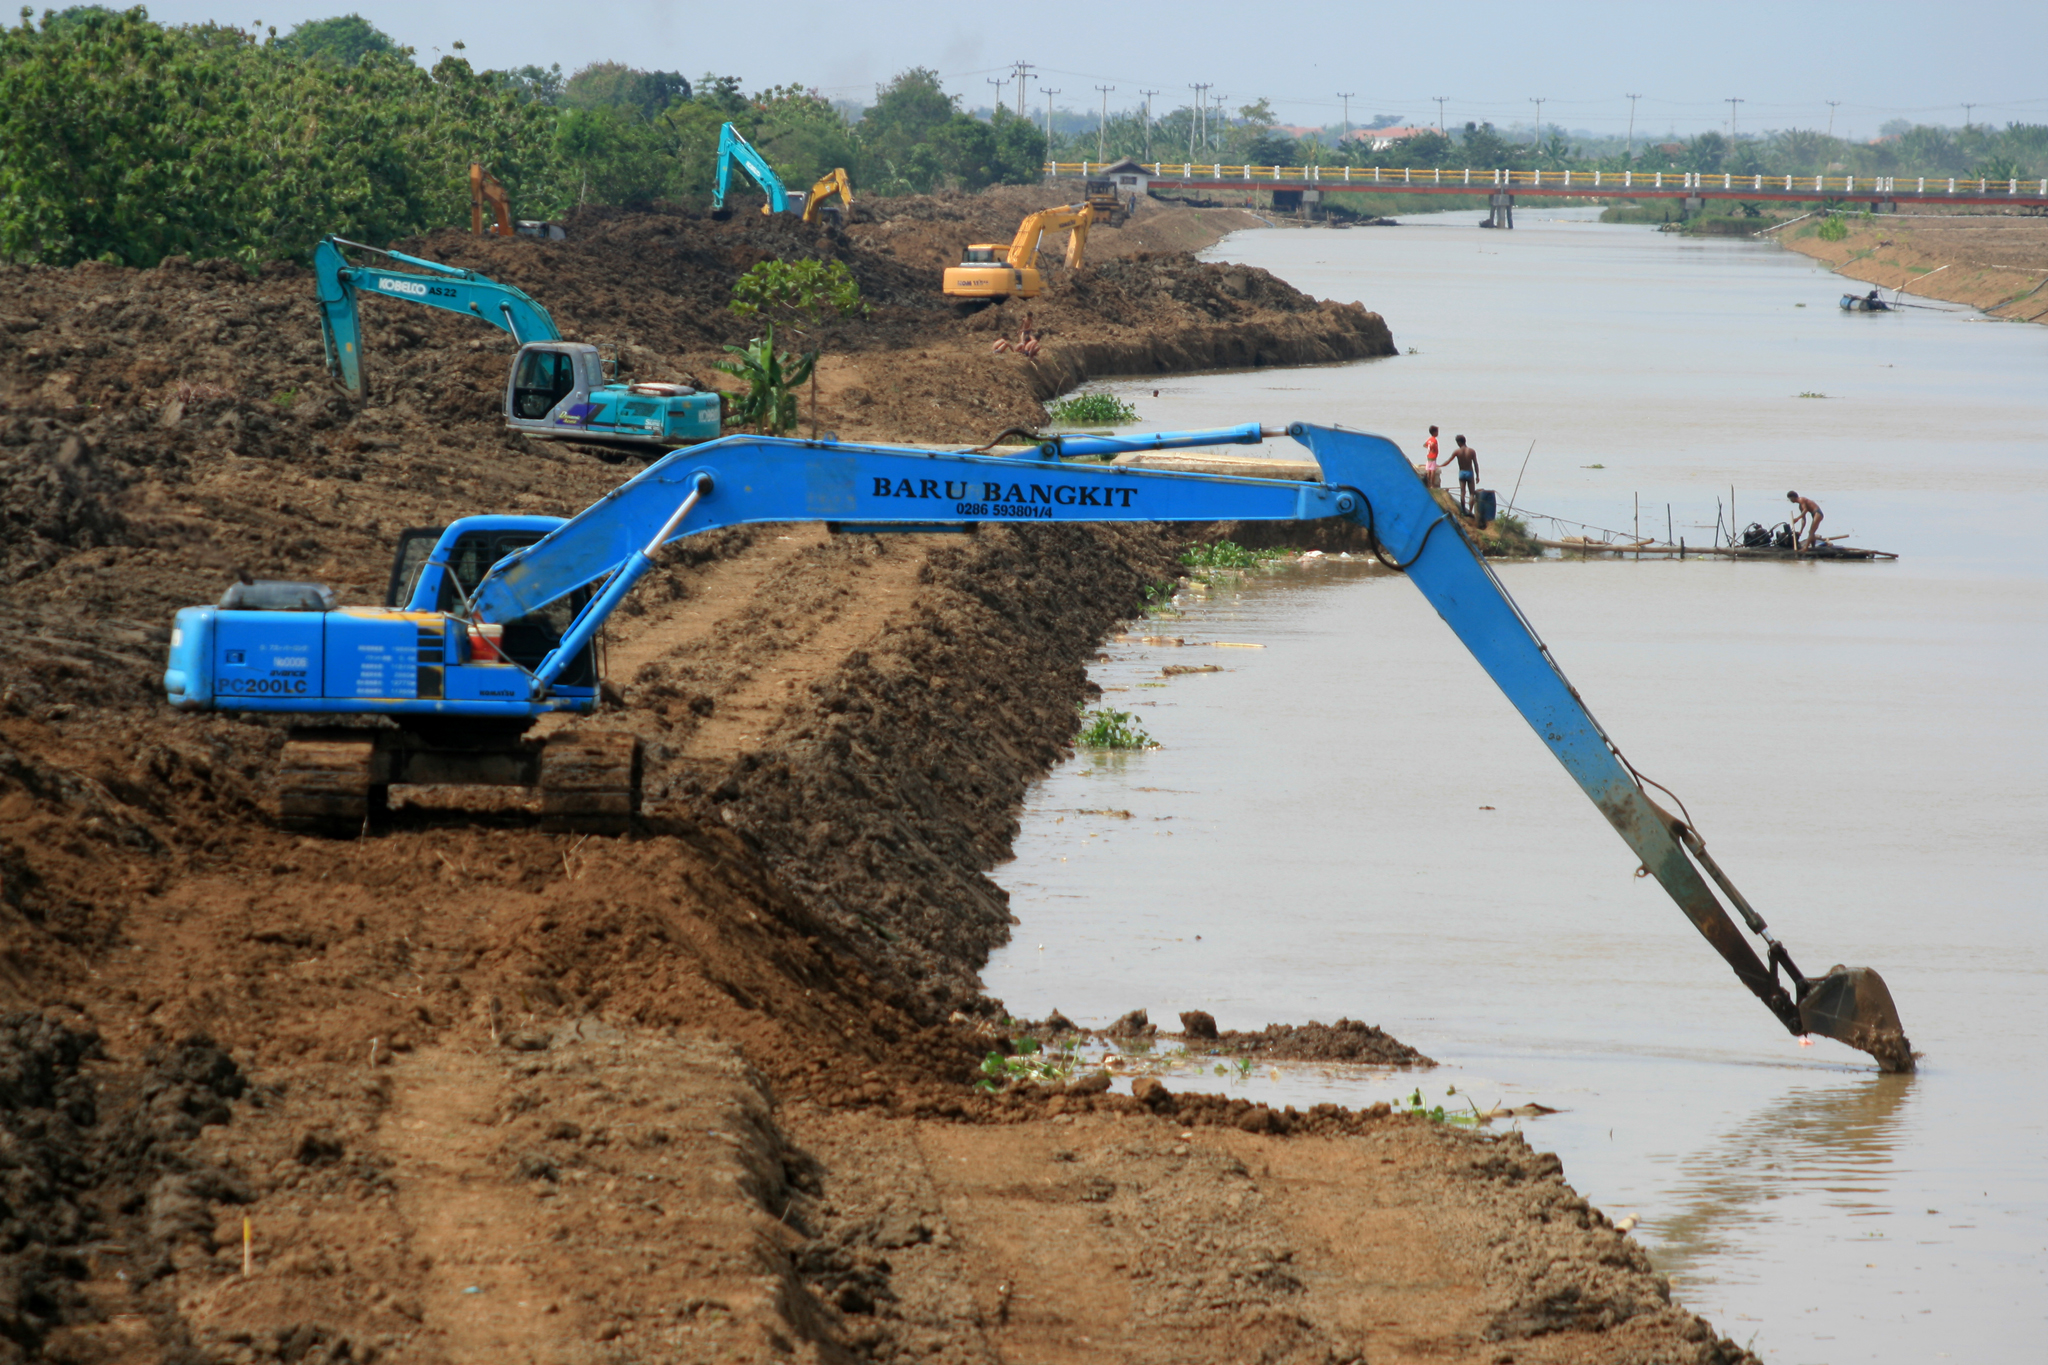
(1226,554)
(1106,729)
(801,288)
(1833,229)
(1093,409)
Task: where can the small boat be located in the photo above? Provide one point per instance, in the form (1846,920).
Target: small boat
(1864,303)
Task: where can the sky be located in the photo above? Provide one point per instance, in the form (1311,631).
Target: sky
(1881,59)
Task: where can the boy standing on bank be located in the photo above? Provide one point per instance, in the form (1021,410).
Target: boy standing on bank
(1468,476)
(1430,477)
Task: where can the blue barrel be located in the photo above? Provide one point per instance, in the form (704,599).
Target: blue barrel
(1485,510)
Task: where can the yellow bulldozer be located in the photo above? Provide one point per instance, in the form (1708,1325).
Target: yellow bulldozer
(990,271)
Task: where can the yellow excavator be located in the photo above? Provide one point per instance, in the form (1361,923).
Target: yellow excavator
(833,182)
(991,272)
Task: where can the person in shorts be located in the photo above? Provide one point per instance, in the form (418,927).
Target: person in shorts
(1431,478)
(1805,512)
(1468,475)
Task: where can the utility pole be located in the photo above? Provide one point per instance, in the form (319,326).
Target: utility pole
(1102,128)
(1731,117)
(1346,95)
(999,82)
(1220,120)
(1048,92)
(1632,126)
(1440,111)
(1023,70)
(1198,117)
(1831,117)
(1966,116)
(1148,94)
(1539,119)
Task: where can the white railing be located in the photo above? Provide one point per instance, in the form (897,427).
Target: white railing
(1557,181)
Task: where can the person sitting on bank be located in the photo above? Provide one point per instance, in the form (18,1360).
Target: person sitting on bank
(1468,475)
(1805,512)
(1026,343)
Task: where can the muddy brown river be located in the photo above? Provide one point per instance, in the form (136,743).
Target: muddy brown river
(1351,821)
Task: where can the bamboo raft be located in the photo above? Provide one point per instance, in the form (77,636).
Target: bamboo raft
(1580,546)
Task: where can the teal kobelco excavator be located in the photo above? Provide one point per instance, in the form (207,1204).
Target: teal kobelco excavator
(557,390)
(491,623)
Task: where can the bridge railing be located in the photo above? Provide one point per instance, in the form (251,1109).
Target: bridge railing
(1590,182)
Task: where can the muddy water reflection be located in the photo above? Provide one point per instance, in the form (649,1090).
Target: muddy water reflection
(1352,822)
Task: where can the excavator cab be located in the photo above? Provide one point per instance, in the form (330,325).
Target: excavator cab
(541,381)
(423,580)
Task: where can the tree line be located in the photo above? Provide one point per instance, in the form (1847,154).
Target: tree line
(127,141)
(1251,136)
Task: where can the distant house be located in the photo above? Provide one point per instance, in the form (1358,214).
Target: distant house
(1671,148)
(1379,139)
(1128,177)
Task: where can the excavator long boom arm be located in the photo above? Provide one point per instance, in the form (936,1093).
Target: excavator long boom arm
(1365,478)
(734,150)
(446,287)
(1024,246)
(833,182)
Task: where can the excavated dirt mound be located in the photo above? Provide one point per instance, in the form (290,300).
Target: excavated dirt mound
(701,1093)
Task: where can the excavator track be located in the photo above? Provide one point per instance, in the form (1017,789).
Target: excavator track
(331,782)
(589,783)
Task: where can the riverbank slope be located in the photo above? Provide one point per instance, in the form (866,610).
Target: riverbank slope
(457,1090)
(1993,263)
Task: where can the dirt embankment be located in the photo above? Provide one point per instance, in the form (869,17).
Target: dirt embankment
(1988,262)
(702,1093)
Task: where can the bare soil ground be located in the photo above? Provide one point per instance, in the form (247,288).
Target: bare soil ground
(1990,262)
(475,1093)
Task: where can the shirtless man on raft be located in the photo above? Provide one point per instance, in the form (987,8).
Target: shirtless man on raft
(1806,512)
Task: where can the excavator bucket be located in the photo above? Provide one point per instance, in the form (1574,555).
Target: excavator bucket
(1853,1005)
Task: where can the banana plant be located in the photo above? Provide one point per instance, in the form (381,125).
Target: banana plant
(772,378)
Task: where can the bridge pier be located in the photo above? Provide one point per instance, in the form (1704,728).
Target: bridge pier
(1500,212)
(1693,203)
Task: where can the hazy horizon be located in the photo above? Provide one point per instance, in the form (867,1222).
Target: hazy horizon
(1489,60)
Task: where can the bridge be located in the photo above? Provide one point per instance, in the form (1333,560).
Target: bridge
(1883,194)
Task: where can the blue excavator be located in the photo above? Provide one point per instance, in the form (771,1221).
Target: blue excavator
(492,622)
(734,151)
(557,390)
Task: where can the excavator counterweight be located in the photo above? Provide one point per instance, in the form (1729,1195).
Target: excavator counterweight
(463,656)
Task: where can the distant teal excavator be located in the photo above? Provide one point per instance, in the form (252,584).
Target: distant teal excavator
(735,150)
(557,390)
